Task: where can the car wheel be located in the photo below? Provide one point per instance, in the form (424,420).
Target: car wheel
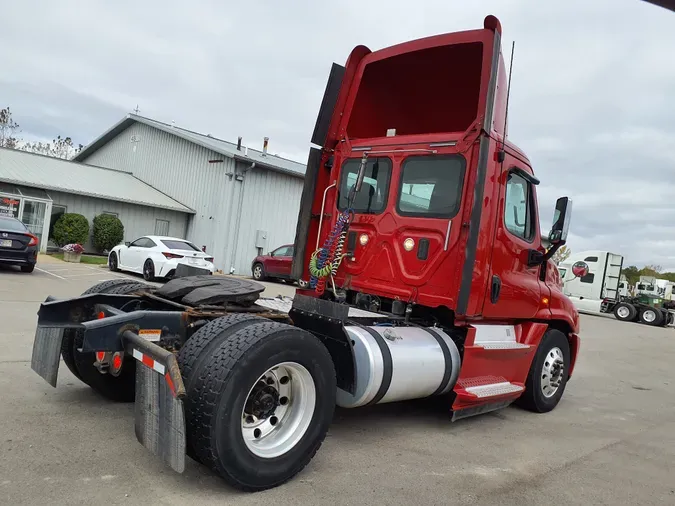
(148,270)
(27,268)
(258,272)
(112,262)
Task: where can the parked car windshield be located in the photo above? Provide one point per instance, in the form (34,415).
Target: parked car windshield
(179,245)
(12,225)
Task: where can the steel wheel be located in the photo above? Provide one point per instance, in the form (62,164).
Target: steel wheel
(552,372)
(649,316)
(278,410)
(623,312)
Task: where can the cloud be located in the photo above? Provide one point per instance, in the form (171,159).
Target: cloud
(591,101)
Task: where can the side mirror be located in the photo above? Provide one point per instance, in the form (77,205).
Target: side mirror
(561,221)
(580,269)
(127,244)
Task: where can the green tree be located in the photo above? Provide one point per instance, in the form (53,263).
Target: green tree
(108,232)
(632,274)
(61,147)
(650,270)
(71,228)
(8,129)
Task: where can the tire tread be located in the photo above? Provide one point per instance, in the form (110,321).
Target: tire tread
(195,352)
(213,377)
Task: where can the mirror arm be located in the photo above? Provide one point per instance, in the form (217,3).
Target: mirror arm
(551,251)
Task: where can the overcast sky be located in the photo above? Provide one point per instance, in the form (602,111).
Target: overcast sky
(592,101)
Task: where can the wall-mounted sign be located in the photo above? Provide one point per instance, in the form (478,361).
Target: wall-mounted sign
(9,207)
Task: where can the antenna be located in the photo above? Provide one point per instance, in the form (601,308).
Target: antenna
(508,94)
(137,110)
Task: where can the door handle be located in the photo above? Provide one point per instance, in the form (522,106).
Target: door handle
(496,288)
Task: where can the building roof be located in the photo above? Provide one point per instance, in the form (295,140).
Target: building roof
(220,146)
(39,171)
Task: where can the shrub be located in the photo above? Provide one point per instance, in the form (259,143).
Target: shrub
(71,228)
(108,232)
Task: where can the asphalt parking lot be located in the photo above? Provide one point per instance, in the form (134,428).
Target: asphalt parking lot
(610,441)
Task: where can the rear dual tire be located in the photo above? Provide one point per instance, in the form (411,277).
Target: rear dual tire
(652,316)
(121,388)
(260,399)
(625,312)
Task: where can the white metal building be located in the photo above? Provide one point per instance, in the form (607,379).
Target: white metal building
(245,201)
(38,189)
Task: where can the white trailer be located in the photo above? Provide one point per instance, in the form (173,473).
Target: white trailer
(598,290)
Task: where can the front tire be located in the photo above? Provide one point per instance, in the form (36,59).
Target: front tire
(268,397)
(548,374)
(625,312)
(258,272)
(149,270)
(113,265)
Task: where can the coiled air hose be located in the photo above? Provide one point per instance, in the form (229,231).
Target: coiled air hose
(326,260)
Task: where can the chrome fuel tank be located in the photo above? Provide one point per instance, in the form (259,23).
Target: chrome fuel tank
(400,363)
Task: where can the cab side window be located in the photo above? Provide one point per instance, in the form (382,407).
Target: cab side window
(519,207)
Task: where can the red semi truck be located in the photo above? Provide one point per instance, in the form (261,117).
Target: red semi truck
(422,273)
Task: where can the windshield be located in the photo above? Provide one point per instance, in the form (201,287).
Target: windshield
(562,272)
(179,245)
(372,198)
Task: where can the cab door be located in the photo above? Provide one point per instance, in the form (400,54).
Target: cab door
(514,289)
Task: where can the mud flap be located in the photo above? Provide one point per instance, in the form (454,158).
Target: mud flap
(159,415)
(47,353)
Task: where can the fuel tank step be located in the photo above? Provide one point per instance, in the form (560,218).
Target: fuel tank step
(485,388)
(494,390)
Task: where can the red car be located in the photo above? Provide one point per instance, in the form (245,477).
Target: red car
(276,264)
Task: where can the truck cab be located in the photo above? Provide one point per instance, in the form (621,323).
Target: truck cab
(417,205)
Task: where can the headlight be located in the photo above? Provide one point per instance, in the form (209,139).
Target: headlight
(408,244)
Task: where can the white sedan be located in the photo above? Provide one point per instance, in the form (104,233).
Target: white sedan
(157,256)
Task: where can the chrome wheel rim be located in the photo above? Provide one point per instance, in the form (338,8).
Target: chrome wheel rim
(552,372)
(257,272)
(623,312)
(649,316)
(278,410)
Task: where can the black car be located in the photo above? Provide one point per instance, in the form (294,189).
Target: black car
(17,245)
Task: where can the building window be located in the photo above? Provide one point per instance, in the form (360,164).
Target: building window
(57,212)
(519,208)
(588,278)
(162,227)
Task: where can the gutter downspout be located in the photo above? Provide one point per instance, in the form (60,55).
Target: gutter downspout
(238,218)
